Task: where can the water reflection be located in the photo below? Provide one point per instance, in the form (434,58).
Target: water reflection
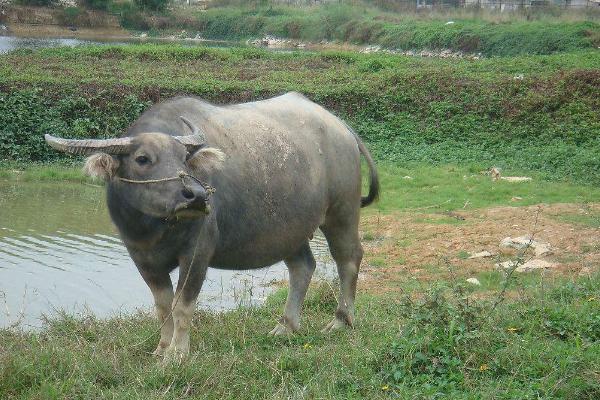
(59,251)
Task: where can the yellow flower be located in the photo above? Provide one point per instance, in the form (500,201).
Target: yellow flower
(385,387)
(483,367)
(512,329)
(307,346)
(592,298)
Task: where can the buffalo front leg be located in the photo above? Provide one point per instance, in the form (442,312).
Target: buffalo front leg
(301,267)
(162,291)
(189,284)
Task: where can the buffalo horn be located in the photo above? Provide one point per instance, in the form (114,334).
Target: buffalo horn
(193,141)
(89,146)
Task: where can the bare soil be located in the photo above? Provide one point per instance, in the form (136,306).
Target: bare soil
(46,31)
(428,246)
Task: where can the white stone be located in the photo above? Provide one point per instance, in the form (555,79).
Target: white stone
(481,254)
(527,266)
(518,242)
(542,249)
(474,281)
(515,178)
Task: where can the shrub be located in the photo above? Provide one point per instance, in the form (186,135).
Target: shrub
(132,18)
(152,5)
(69,15)
(101,5)
(37,3)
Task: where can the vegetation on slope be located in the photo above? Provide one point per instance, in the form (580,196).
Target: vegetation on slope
(528,31)
(536,113)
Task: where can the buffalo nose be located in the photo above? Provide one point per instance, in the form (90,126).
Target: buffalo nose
(188,194)
(194,194)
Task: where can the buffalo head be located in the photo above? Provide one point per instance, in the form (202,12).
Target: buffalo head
(152,172)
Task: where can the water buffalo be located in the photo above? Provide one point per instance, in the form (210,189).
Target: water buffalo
(281,168)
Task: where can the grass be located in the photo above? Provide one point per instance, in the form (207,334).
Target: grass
(441,188)
(591,220)
(408,109)
(432,344)
(455,188)
(45,173)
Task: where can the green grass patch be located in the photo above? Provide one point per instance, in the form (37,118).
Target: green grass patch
(34,172)
(432,189)
(428,343)
(453,188)
(591,219)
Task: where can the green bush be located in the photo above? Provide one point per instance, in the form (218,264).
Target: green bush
(102,5)
(37,3)
(68,16)
(152,5)
(26,115)
(132,18)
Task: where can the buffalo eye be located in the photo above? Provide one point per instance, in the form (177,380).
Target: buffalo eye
(142,160)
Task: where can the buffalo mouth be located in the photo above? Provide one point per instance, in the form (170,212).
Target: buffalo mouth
(191,210)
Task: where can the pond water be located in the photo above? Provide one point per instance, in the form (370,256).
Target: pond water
(60,252)
(10,43)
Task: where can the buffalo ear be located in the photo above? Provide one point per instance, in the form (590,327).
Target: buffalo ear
(101,165)
(207,159)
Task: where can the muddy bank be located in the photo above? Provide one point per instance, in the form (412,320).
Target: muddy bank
(57,31)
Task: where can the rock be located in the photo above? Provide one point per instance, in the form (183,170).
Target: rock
(516,198)
(495,173)
(542,249)
(521,242)
(515,178)
(518,243)
(527,266)
(481,254)
(474,281)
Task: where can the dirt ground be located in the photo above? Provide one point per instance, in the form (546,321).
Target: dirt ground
(423,245)
(49,31)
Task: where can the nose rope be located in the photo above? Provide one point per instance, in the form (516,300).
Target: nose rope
(180,175)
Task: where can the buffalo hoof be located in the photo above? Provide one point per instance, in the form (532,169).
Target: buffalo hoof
(175,356)
(281,329)
(335,325)
(160,350)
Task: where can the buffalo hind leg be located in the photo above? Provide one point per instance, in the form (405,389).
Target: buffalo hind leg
(346,250)
(301,267)
(162,291)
